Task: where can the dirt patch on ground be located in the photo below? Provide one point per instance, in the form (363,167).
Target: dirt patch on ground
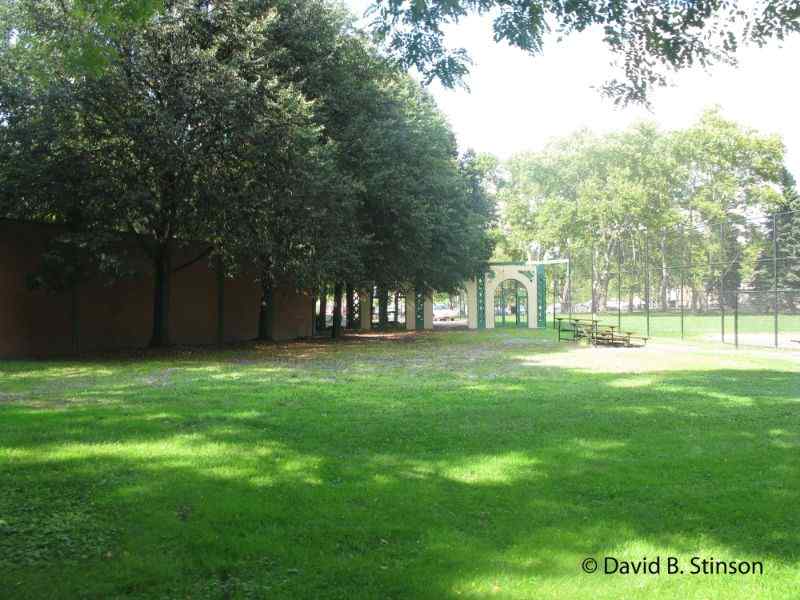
(8,397)
(651,358)
(786,339)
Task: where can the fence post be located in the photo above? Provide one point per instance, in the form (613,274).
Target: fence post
(683,275)
(594,302)
(722,279)
(647,280)
(736,318)
(619,282)
(775,274)
(569,279)
(555,299)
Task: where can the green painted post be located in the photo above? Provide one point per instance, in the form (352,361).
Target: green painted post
(419,309)
(541,300)
(480,280)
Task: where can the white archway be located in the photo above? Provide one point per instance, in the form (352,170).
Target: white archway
(480,296)
(502,274)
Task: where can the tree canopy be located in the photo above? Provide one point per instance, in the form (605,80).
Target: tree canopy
(591,197)
(649,38)
(274,131)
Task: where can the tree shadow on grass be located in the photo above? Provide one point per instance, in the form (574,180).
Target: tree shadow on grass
(433,490)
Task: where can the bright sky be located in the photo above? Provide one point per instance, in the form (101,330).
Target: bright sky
(517,101)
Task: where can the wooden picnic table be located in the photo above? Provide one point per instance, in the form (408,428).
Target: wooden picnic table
(574,329)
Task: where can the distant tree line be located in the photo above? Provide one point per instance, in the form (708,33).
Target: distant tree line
(696,206)
(273,130)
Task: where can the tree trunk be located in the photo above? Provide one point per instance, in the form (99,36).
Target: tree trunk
(266,316)
(602,275)
(162,271)
(336,330)
(313,313)
(220,302)
(322,320)
(350,307)
(396,304)
(74,319)
(602,297)
(383,307)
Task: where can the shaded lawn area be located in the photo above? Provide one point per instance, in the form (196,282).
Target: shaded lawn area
(445,465)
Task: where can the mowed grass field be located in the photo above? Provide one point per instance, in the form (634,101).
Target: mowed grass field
(754,330)
(440,465)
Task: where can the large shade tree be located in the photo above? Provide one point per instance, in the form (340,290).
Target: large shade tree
(274,131)
(187,133)
(419,222)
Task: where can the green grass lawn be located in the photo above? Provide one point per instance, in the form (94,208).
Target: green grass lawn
(445,465)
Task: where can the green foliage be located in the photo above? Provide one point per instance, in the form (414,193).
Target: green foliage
(187,134)
(651,38)
(597,195)
(785,246)
(425,211)
(79,35)
(272,130)
(419,221)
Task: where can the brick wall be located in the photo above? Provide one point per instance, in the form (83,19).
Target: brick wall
(97,316)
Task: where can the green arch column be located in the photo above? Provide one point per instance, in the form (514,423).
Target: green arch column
(541,297)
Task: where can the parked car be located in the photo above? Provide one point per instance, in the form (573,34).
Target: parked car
(442,312)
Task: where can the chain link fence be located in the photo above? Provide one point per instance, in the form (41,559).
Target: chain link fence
(735,281)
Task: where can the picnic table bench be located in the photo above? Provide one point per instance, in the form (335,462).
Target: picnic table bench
(573,329)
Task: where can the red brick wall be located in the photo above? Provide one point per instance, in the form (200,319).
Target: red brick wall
(40,323)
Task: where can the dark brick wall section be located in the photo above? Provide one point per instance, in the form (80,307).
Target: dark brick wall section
(36,323)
